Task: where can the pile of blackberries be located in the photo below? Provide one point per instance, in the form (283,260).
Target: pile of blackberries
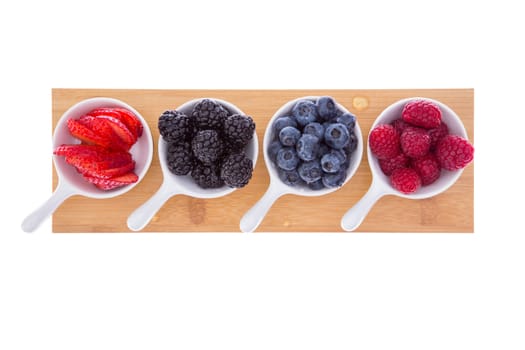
(209,144)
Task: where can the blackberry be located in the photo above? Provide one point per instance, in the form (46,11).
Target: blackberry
(175,126)
(180,158)
(209,114)
(238,129)
(206,176)
(236,170)
(207,146)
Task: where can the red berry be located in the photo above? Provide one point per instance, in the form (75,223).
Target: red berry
(120,129)
(85,134)
(114,182)
(391,164)
(125,116)
(384,141)
(415,142)
(437,134)
(399,124)
(428,168)
(77,150)
(422,113)
(104,130)
(405,180)
(454,152)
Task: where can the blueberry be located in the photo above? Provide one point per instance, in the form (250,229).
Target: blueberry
(315,129)
(326,108)
(307,147)
(323,149)
(336,136)
(334,180)
(347,119)
(310,171)
(289,136)
(331,163)
(290,177)
(339,153)
(316,186)
(352,143)
(274,147)
(282,122)
(304,112)
(287,158)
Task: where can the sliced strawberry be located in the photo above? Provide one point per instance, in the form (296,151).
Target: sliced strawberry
(114,182)
(101,127)
(102,164)
(130,119)
(84,133)
(120,129)
(125,116)
(116,171)
(76,150)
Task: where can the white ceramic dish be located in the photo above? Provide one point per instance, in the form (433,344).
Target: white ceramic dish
(381,185)
(70,182)
(251,220)
(174,184)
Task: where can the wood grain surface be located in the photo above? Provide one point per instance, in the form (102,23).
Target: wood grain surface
(451,211)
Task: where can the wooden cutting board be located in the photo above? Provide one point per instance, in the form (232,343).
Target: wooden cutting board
(451,211)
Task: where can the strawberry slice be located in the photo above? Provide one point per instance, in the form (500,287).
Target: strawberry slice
(78,149)
(120,129)
(84,133)
(125,116)
(101,127)
(114,182)
(130,119)
(116,171)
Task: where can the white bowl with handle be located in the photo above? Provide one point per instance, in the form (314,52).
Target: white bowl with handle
(381,185)
(251,220)
(70,181)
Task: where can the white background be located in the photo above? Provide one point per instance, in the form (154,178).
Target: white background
(262,291)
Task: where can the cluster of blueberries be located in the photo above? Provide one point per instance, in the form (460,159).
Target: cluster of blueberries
(313,144)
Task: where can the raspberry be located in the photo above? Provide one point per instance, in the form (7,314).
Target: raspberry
(384,141)
(422,113)
(437,134)
(405,180)
(415,142)
(399,124)
(428,168)
(454,152)
(389,165)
